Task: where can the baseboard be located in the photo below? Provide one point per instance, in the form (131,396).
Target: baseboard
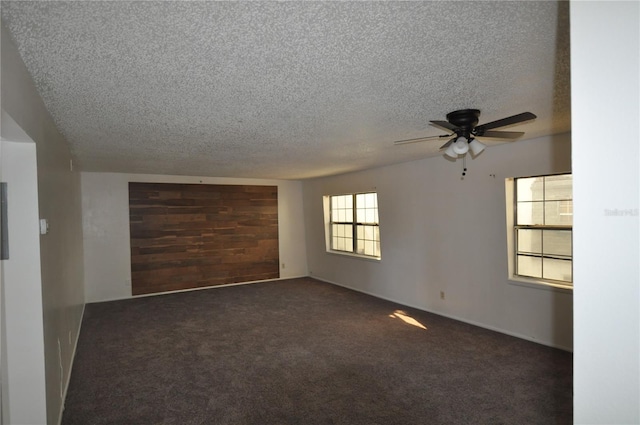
(449,316)
(72,360)
(202,288)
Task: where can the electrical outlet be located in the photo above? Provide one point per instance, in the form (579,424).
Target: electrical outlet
(69,337)
(442,295)
(283,265)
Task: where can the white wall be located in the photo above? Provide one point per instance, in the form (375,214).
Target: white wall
(24,371)
(105,211)
(442,233)
(605,91)
(61,250)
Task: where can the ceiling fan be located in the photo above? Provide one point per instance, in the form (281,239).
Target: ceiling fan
(464,128)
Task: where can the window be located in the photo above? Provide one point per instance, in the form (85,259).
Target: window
(542,228)
(353,224)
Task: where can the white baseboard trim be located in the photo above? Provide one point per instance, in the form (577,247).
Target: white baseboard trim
(194,289)
(72,360)
(459,319)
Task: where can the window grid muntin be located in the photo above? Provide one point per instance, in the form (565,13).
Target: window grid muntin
(365,246)
(542,227)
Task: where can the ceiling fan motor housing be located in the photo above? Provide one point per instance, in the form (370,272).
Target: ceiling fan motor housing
(465,120)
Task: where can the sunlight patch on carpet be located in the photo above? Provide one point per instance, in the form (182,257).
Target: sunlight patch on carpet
(402,315)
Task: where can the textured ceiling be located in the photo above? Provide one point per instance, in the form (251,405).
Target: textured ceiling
(285,89)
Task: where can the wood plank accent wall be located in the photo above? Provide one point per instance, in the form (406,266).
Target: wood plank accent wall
(195,235)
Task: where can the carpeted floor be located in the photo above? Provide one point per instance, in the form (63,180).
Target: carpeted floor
(302,351)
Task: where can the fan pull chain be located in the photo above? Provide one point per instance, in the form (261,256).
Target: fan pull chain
(464,167)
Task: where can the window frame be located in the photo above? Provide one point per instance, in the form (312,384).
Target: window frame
(512,238)
(355,225)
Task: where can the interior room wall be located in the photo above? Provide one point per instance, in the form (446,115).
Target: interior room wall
(23,373)
(61,251)
(105,211)
(440,232)
(605,89)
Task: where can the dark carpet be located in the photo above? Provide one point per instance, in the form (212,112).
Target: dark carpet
(302,351)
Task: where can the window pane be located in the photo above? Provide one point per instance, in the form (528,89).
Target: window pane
(347,215)
(342,208)
(529,266)
(362,201)
(558,187)
(368,248)
(348,201)
(557,242)
(370,216)
(529,213)
(557,269)
(558,213)
(366,232)
(366,208)
(368,200)
(530,189)
(341,237)
(369,232)
(368,240)
(529,241)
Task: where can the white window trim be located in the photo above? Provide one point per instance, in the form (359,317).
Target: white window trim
(509,188)
(326,206)
(352,255)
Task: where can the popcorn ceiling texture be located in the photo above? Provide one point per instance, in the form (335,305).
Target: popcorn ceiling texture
(285,89)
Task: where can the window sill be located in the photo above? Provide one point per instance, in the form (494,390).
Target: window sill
(360,257)
(540,284)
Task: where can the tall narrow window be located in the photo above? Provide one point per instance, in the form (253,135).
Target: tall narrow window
(354,225)
(543,228)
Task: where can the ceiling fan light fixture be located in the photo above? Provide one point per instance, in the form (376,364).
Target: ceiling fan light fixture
(476,147)
(460,146)
(450,152)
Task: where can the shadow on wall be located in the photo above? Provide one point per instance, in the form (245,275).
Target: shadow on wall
(562,302)
(561,154)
